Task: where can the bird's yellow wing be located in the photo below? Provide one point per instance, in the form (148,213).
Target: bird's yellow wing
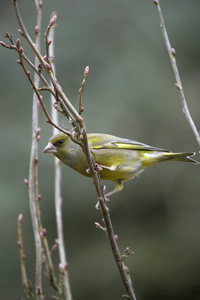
(106,141)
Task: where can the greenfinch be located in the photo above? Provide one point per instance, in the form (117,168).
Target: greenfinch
(118,159)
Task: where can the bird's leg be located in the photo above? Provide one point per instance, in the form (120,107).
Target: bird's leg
(118,188)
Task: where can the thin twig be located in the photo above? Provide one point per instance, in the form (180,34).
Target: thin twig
(49,264)
(47,67)
(58,197)
(33,176)
(125,276)
(86,72)
(36,71)
(178,84)
(106,216)
(51,35)
(25,282)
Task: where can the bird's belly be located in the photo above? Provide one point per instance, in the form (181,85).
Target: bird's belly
(119,165)
(118,174)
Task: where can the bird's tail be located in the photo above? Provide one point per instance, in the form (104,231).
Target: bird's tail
(186,157)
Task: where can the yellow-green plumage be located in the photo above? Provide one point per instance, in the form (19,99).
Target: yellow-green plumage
(119,159)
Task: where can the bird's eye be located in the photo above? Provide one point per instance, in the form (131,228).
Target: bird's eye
(59,142)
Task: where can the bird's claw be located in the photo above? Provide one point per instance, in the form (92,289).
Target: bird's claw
(104,193)
(97,206)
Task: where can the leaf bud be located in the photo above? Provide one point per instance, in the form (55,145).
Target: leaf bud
(26,181)
(36,30)
(54,247)
(127,270)
(19,244)
(20,218)
(18,43)
(53,20)
(44,231)
(86,72)
(38,131)
(40,4)
(21,32)
(3,44)
(48,67)
(173,51)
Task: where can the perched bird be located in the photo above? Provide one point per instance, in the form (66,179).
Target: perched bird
(118,159)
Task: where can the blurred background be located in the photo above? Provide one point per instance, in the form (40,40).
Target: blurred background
(130,93)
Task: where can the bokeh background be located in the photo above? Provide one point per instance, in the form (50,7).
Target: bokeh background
(130,92)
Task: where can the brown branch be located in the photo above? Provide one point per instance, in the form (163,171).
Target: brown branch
(46,66)
(57,192)
(49,264)
(125,276)
(36,71)
(172,54)
(86,72)
(106,216)
(33,177)
(25,282)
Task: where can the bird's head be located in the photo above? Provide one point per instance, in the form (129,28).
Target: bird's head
(61,146)
(66,150)
(57,143)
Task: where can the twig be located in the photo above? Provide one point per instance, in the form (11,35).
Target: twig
(57,195)
(106,216)
(125,276)
(28,74)
(51,35)
(178,84)
(33,176)
(86,72)
(47,67)
(49,264)
(25,282)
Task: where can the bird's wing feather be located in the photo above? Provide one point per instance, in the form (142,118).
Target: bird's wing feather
(105,141)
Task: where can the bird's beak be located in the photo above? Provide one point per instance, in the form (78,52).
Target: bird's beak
(50,148)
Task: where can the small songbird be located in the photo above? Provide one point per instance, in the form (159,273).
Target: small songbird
(118,159)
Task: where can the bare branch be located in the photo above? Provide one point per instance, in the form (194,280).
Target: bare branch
(86,72)
(49,264)
(25,282)
(172,54)
(126,279)
(33,177)
(57,196)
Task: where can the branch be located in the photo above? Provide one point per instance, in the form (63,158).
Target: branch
(57,195)
(86,72)
(172,54)
(25,282)
(33,175)
(123,270)
(47,255)
(46,66)
(125,277)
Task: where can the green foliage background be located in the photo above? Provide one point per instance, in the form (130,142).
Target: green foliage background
(130,92)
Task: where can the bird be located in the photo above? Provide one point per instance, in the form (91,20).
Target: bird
(118,159)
